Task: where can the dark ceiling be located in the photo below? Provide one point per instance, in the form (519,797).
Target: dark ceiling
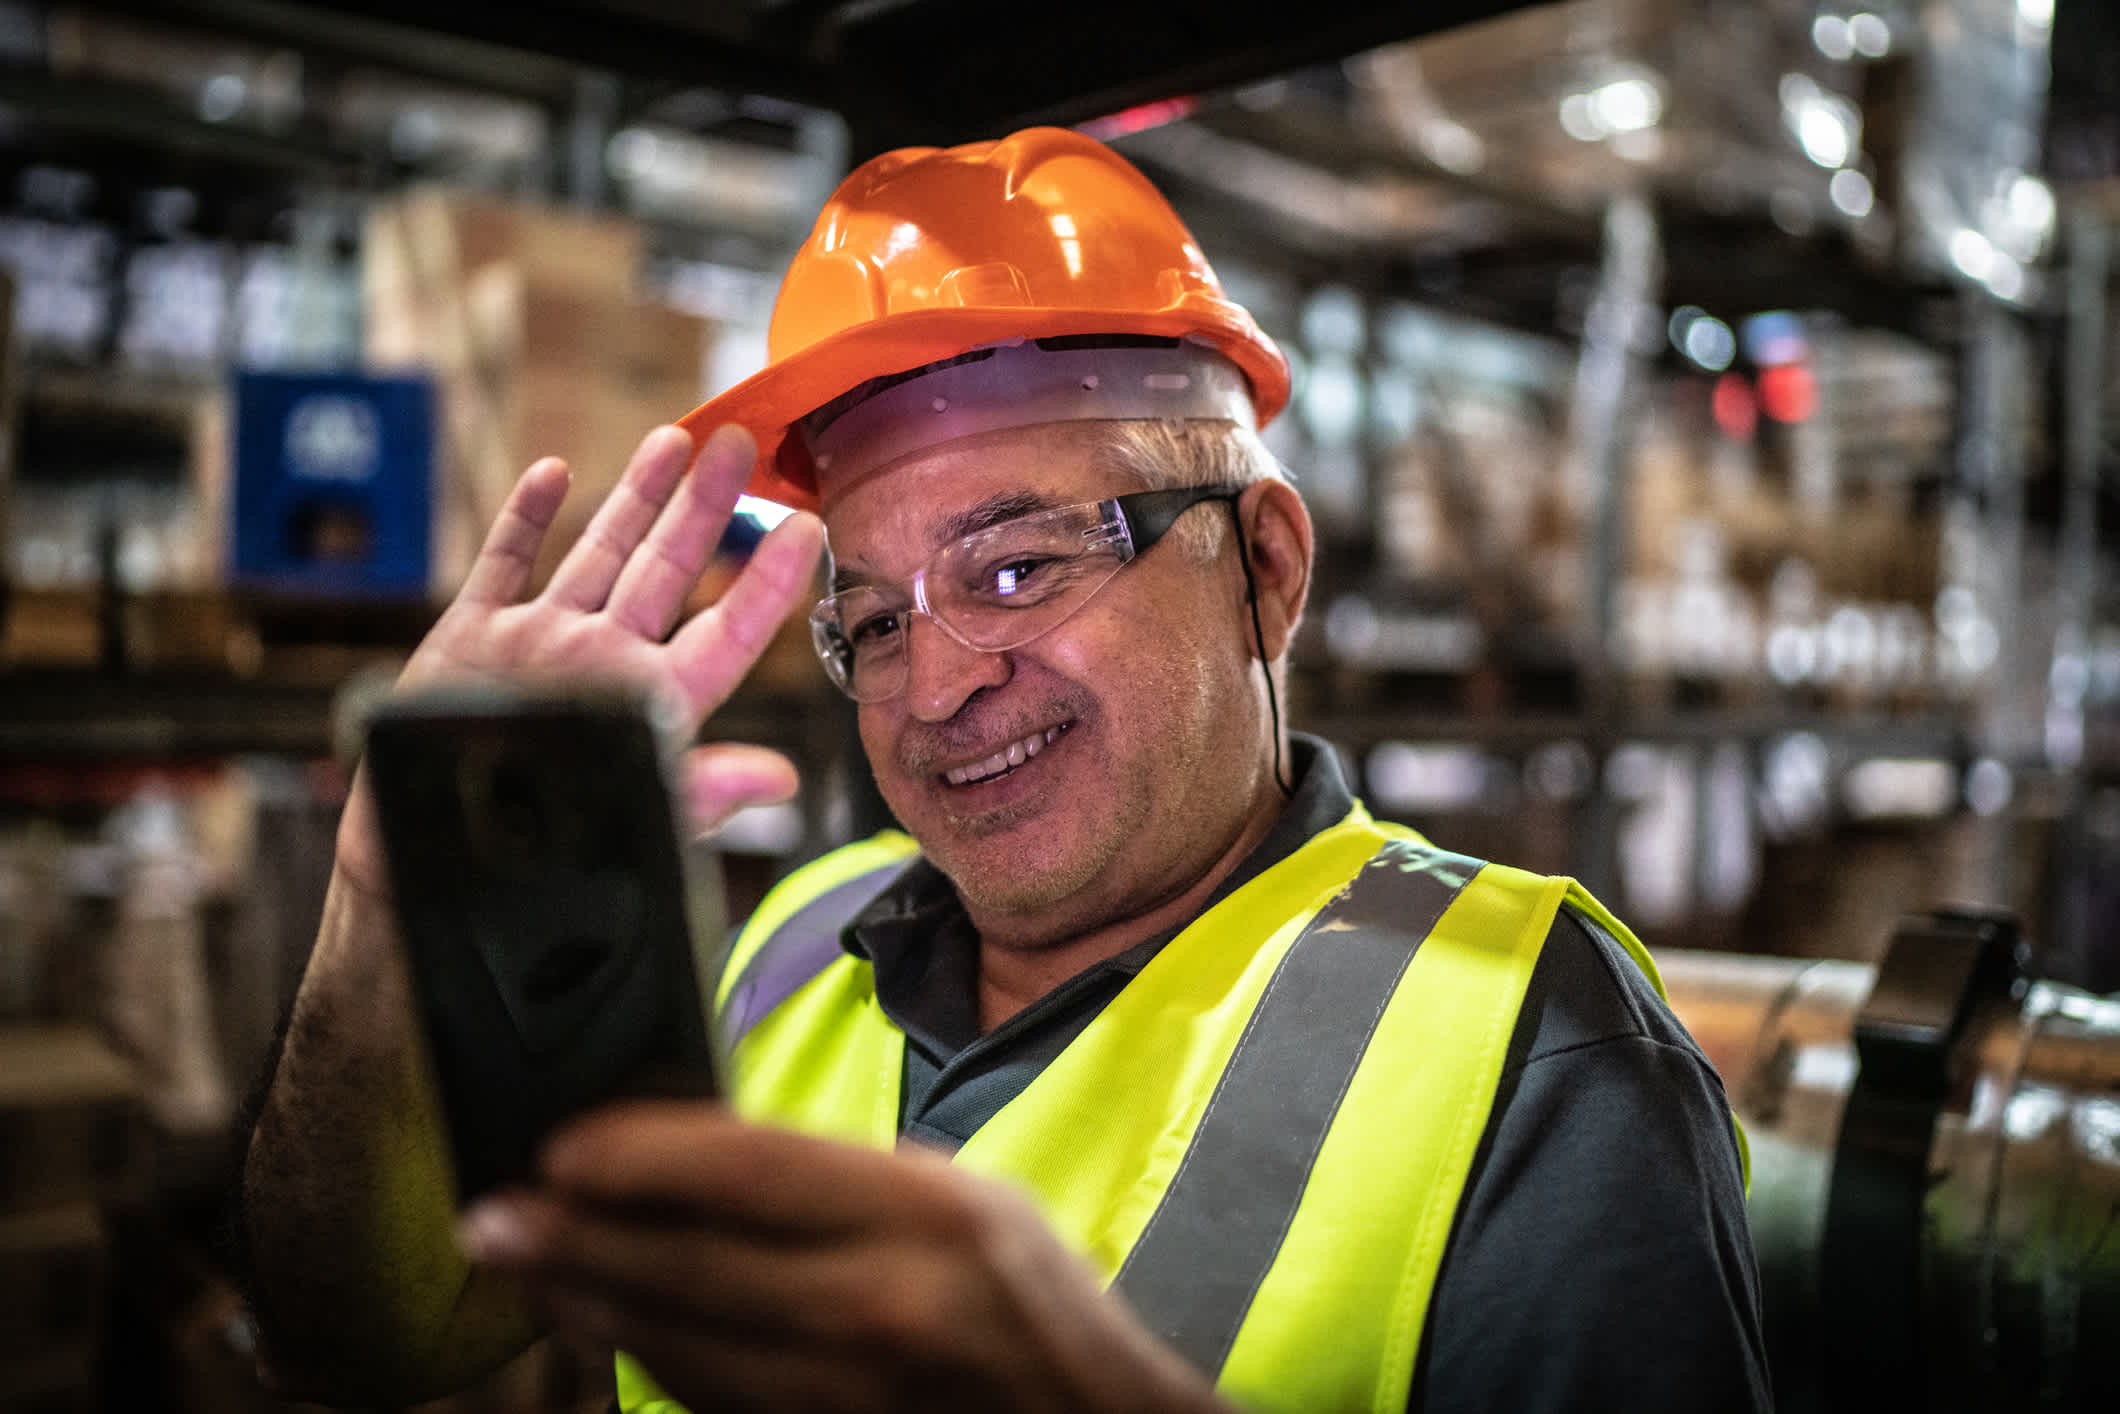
(918,71)
(900,71)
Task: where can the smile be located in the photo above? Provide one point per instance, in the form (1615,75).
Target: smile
(1005,760)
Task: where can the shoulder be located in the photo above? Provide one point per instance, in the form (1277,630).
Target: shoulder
(840,881)
(1587,989)
(1610,1157)
(1600,1075)
(1598,1057)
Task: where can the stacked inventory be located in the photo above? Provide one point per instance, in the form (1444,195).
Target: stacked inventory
(528,319)
(69,1148)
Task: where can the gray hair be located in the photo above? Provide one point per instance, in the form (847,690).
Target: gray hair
(1163,454)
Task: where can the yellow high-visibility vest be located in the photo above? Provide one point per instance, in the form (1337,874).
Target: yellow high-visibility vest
(1261,1141)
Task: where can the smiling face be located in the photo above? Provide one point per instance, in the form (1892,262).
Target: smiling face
(1101,770)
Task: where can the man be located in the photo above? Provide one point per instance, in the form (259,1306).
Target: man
(1145,1070)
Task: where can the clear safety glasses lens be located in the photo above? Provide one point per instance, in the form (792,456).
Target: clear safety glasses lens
(996,589)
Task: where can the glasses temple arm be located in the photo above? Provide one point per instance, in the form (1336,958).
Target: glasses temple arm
(1258,635)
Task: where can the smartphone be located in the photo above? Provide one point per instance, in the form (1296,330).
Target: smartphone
(556,938)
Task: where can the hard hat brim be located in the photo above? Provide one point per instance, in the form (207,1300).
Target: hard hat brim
(770,402)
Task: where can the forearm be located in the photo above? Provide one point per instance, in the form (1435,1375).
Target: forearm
(347,1201)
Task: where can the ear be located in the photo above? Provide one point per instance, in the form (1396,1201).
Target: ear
(1277,537)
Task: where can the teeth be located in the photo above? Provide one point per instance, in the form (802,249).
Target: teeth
(1014,755)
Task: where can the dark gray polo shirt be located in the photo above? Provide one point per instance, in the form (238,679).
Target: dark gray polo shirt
(1600,1259)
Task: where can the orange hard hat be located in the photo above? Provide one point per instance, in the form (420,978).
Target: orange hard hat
(926,253)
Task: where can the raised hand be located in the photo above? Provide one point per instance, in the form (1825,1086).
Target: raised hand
(613,607)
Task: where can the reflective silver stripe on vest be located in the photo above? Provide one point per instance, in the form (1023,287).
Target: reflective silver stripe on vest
(800,948)
(1208,1245)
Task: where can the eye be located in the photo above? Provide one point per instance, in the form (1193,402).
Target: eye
(1021,579)
(1017,576)
(870,632)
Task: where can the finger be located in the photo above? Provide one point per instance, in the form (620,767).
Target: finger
(895,1311)
(502,566)
(701,1157)
(714,651)
(706,1369)
(683,1264)
(723,777)
(592,565)
(651,589)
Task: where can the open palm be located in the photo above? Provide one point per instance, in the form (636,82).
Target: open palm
(613,607)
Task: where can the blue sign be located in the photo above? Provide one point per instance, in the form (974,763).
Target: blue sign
(333,478)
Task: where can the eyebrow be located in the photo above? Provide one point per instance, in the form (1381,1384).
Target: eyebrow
(991,512)
(981,515)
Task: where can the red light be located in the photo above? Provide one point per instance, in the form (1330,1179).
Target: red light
(1140,117)
(1788,392)
(1736,412)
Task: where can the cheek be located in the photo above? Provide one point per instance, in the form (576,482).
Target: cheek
(1163,680)
(878,734)
(878,728)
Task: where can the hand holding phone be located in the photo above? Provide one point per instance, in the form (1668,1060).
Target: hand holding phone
(549,924)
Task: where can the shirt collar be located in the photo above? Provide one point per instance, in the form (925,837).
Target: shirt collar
(925,951)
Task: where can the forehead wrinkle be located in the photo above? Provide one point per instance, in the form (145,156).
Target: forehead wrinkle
(981,515)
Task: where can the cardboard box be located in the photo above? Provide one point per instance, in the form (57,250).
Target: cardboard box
(527,318)
(179,629)
(561,373)
(588,250)
(71,1128)
(519,320)
(51,628)
(421,251)
(54,1266)
(162,629)
(595,423)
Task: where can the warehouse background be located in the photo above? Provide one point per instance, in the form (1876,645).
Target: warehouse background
(1709,411)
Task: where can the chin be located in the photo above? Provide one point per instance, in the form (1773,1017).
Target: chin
(1010,873)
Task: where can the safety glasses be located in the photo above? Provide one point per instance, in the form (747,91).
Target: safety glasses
(996,589)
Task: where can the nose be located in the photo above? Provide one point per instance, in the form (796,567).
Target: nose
(941,674)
